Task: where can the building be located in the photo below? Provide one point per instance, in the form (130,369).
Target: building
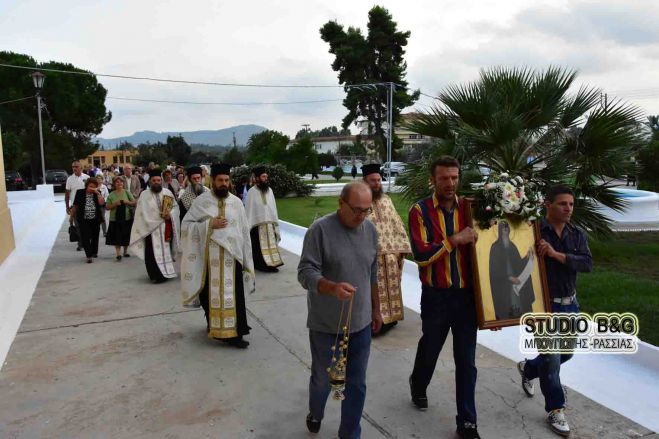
(332,143)
(109,157)
(410,138)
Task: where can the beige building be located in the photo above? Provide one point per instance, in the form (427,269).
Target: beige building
(7,242)
(410,138)
(106,158)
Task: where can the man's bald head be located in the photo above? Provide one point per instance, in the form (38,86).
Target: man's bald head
(355,204)
(354,187)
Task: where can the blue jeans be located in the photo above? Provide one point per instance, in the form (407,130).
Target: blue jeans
(441,310)
(547,367)
(355,393)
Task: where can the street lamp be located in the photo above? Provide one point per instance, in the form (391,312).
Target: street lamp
(38,79)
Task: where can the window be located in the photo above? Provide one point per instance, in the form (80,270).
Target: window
(103,159)
(89,160)
(128,159)
(114,159)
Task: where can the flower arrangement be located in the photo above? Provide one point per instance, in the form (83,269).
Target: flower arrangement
(504,196)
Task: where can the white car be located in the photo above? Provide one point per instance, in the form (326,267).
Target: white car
(396,168)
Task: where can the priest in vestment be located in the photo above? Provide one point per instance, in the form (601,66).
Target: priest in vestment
(155,233)
(393,246)
(216,265)
(263,221)
(192,191)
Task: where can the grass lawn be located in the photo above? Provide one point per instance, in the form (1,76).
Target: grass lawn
(303,211)
(625,277)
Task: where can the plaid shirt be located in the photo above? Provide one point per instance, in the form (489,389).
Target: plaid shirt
(440,264)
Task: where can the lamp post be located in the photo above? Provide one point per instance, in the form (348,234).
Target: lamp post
(38,79)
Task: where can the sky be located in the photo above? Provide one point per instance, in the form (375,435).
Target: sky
(614,45)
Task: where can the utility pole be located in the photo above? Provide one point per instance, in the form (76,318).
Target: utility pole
(234,139)
(306,127)
(390,118)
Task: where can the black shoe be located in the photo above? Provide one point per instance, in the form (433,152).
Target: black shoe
(78,249)
(237,342)
(89,260)
(419,401)
(119,258)
(126,255)
(386,328)
(312,425)
(468,431)
(158,281)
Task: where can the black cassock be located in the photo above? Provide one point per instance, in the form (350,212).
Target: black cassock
(505,263)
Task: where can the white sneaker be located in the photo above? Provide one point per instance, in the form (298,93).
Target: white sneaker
(557,422)
(527,384)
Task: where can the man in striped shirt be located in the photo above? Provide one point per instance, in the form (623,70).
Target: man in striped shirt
(440,244)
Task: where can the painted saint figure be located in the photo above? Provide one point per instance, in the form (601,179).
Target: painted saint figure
(510,277)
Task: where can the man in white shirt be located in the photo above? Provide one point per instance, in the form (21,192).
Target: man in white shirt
(75,182)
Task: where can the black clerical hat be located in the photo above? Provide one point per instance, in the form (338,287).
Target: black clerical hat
(220,168)
(155,173)
(258,170)
(194,170)
(371,168)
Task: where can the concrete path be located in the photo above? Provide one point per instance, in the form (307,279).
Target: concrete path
(102,353)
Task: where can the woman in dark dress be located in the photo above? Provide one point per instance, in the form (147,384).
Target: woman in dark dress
(121,217)
(87,210)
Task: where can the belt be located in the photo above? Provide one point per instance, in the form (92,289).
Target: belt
(565,300)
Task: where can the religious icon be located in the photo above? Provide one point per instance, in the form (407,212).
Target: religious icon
(509,277)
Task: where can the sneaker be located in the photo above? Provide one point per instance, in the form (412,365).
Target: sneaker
(419,401)
(557,422)
(468,431)
(237,342)
(527,385)
(312,425)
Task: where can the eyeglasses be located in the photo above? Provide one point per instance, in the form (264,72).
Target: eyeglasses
(357,211)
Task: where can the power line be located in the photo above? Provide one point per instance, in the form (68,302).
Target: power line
(16,100)
(179,81)
(222,103)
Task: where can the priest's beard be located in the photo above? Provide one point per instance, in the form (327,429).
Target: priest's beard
(377,194)
(156,188)
(197,188)
(221,192)
(263,186)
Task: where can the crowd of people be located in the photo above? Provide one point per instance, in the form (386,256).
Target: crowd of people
(224,234)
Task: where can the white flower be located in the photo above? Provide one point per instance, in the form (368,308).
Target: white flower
(504,175)
(519,179)
(488,208)
(490,186)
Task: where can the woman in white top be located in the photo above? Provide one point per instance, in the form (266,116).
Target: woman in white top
(103,190)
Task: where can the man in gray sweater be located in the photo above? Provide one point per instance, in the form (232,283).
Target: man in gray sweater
(339,264)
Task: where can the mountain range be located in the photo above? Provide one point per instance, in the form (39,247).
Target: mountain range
(223,137)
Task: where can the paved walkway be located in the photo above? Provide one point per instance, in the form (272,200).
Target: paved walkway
(102,353)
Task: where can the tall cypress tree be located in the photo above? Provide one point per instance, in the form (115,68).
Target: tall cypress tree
(374,58)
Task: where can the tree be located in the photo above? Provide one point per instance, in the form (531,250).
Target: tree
(326,159)
(199,157)
(234,157)
(376,58)
(151,152)
(337,173)
(301,157)
(177,149)
(525,122)
(266,147)
(74,112)
(325,132)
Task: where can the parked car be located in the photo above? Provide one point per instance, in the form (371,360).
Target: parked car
(396,168)
(14,181)
(57,177)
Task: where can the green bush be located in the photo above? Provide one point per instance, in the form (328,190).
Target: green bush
(648,158)
(282,181)
(337,173)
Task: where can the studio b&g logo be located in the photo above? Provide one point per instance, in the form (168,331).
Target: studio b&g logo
(570,333)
